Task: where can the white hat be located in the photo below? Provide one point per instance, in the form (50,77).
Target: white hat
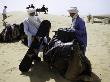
(30,10)
(73,10)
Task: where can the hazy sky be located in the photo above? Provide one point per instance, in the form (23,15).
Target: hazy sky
(60,7)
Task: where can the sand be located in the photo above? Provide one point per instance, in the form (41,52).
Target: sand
(11,54)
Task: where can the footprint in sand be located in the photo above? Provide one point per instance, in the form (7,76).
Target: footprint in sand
(10,70)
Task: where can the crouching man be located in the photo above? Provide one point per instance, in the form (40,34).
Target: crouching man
(31,25)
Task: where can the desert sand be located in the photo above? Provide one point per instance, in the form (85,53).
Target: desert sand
(11,54)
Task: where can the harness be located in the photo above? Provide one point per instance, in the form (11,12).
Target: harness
(60,46)
(63,46)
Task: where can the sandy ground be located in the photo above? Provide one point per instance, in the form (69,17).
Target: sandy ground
(11,54)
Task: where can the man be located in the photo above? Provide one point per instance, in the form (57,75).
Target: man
(89,18)
(43,7)
(4,13)
(28,7)
(31,25)
(32,6)
(79,28)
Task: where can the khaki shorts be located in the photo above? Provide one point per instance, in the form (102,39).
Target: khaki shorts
(4,16)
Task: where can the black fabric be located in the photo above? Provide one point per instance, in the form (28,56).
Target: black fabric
(44,28)
(59,51)
(12,34)
(65,34)
(26,63)
(7,34)
(21,29)
(36,43)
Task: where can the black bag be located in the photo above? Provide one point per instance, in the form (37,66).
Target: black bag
(65,34)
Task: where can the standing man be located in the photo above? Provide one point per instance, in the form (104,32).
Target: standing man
(31,25)
(4,13)
(79,28)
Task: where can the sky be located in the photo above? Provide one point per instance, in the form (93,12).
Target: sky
(60,7)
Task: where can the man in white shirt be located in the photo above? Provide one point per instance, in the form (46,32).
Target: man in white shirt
(4,13)
(31,25)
